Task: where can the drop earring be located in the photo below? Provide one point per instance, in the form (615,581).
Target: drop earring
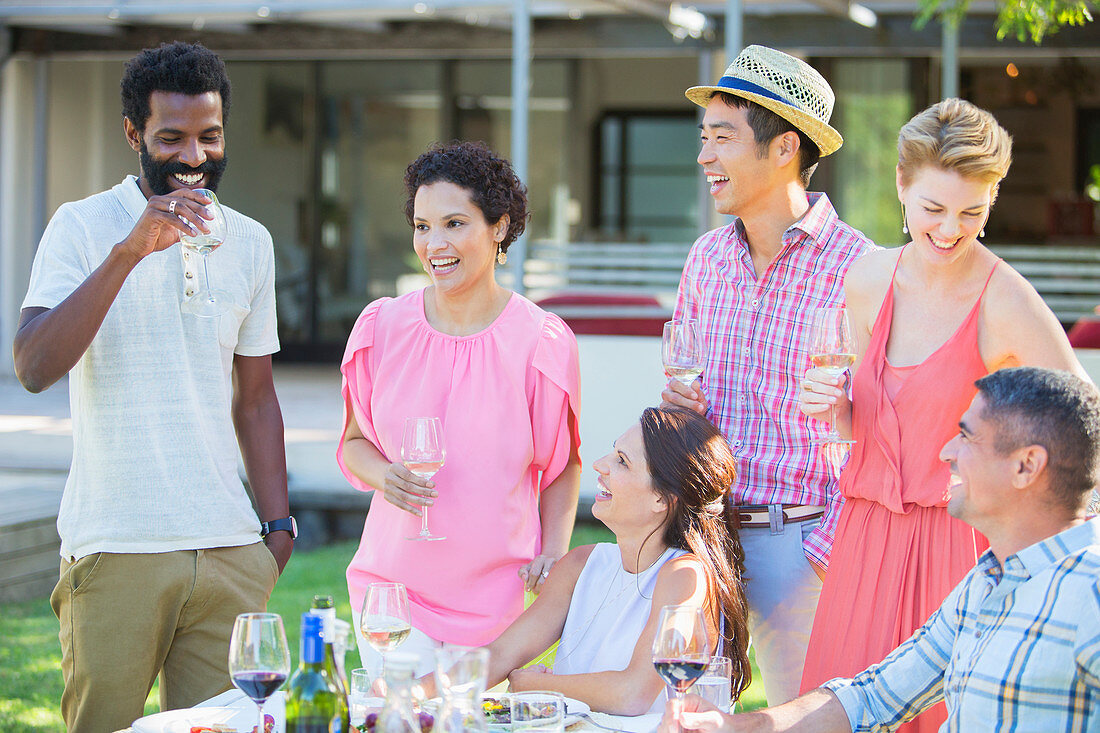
(904,225)
(981,234)
(502,256)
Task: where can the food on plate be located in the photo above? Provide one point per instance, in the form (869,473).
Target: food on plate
(498,711)
(427,722)
(269,726)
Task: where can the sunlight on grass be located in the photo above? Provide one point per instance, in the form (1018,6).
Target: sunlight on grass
(30,658)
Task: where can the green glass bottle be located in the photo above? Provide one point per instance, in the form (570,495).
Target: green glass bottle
(323,606)
(314,702)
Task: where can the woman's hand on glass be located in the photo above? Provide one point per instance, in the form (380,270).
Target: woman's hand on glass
(819,391)
(535,573)
(407,491)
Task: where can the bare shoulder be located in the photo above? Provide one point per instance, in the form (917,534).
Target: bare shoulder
(872,269)
(1011,301)
(1017,328)
(867,281)
(572,563)
(680,578)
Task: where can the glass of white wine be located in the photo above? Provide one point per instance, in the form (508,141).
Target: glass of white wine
(207,303)
(422,453)
(682,350)
(385,621)
(833,349)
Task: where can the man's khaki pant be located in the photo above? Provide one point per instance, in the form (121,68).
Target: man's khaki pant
(127,617)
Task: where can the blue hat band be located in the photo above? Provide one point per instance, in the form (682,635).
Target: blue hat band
(732,82)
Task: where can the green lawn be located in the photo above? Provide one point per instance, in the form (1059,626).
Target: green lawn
(30,660)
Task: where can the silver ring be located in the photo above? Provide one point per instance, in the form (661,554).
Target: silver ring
(172,206)
(546,573)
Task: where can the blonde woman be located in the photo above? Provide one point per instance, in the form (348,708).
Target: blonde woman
(930,319)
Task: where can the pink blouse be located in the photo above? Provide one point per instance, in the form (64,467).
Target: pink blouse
(504,396)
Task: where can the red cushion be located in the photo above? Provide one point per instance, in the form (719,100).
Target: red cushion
(1085,334)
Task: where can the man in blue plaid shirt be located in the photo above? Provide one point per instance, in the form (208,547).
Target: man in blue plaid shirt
(1016,646)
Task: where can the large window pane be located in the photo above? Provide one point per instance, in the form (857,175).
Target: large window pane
(873,102)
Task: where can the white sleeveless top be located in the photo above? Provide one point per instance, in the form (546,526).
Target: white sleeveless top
(607,613)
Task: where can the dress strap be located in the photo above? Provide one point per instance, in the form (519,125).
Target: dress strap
(988,277)
(898,262)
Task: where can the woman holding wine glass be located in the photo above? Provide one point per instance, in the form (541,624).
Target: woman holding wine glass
(664,492)
(502,378)
(929,319)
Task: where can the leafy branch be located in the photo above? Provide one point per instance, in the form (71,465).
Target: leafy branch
(1034,19)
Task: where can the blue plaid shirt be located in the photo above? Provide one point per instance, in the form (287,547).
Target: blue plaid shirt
(1015,649)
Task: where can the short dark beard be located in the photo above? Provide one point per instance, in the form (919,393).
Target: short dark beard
(156,173)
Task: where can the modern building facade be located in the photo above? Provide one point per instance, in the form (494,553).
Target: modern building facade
(331,100)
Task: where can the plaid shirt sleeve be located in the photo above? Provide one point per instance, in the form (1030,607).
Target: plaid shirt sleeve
(818,545)
(908,681)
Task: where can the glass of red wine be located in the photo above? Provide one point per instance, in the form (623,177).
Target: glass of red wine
(259,659)
(681,648)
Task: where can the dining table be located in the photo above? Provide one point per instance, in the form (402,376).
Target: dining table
(589,722)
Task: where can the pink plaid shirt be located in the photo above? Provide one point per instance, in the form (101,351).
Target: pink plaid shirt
(757,336)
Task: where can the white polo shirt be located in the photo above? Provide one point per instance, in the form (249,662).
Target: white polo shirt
(154,449)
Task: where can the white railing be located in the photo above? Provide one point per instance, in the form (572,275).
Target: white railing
(1068,277)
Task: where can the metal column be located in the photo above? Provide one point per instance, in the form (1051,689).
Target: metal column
(735,24)
(521,88)
(949,61)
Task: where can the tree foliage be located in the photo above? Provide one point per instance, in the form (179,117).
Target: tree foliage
(1024,19)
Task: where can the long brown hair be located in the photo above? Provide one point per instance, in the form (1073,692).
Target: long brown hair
(693,469)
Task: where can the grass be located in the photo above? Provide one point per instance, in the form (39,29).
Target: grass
(30,658)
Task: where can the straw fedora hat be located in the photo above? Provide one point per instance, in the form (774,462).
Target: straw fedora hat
(787,86)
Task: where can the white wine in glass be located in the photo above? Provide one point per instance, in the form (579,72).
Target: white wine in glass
(422,453)
(385,621)
(207,303)
(833,349)
(682,350)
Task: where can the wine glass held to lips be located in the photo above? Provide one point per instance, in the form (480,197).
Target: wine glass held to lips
(259,659)
(207,303)
(681,648)
(422,453)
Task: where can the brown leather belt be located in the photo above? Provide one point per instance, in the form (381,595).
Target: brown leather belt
(776,515)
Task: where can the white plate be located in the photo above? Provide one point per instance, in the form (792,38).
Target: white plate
(573,710)
(241,715)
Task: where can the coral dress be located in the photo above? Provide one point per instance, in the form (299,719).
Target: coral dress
(897,552)
(504,396)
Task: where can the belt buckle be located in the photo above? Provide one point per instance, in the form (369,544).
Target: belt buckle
(775,518)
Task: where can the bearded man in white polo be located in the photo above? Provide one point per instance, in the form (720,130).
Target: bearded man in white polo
(753,287)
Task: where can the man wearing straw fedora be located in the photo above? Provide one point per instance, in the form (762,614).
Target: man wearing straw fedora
(753,287)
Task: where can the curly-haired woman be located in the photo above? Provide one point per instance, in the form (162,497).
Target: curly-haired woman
(502,375)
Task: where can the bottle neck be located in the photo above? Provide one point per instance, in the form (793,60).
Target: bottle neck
(313,650)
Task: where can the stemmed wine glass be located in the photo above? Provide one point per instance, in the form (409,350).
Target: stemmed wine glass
(259,660)
(833,349)
(681,649)
(682,350)
(207,303)
(385,621)
(422,453)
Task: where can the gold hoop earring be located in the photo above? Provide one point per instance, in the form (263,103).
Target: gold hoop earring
(502,256)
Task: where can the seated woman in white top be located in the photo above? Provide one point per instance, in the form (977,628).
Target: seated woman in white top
(663,492)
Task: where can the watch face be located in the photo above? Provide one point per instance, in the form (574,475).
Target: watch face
(287,524)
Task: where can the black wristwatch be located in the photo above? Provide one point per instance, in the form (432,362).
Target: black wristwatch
(286,523)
